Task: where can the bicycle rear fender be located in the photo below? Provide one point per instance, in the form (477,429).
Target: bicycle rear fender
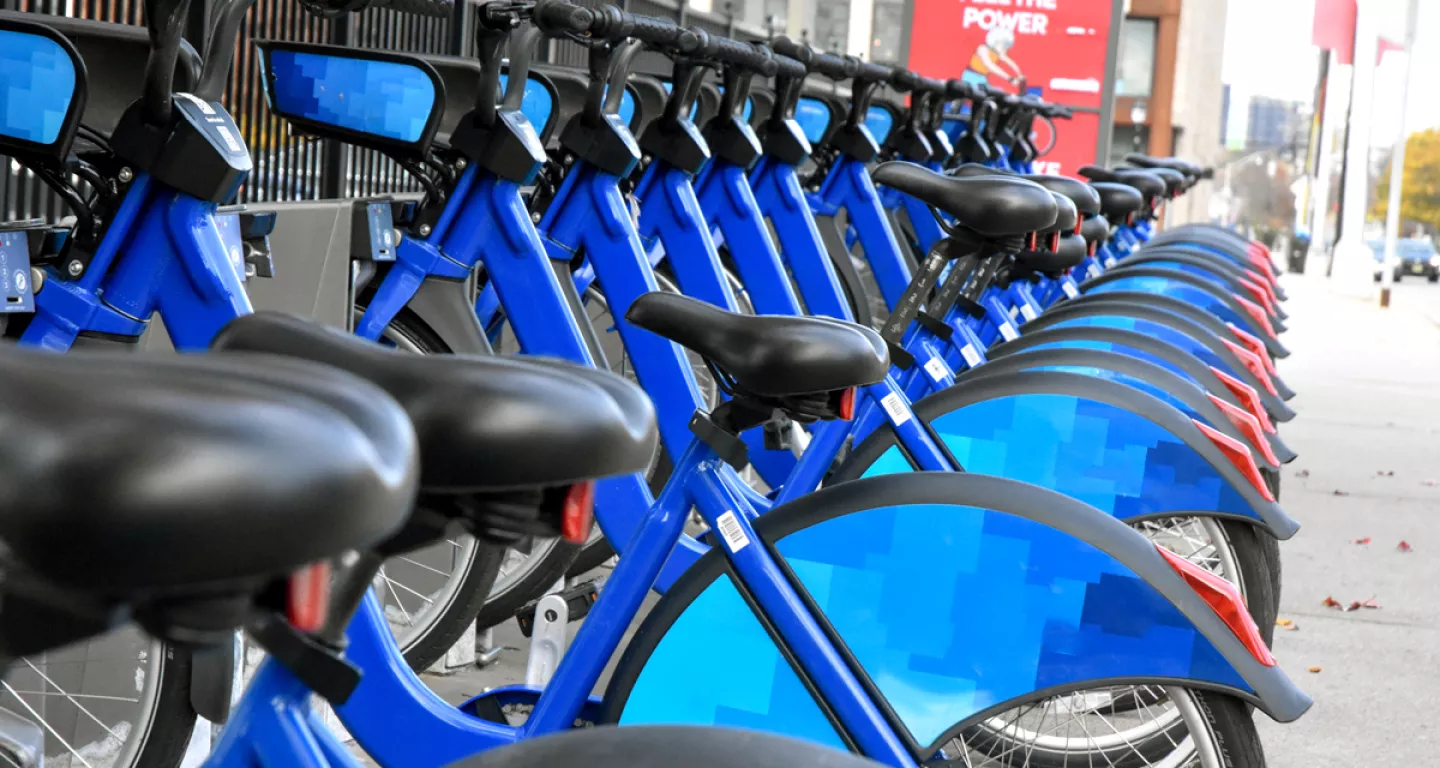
(949,596)
(1215,270)
(1245,314)
(1162,325)
(1168,304)
(1174,389)
(1103,443)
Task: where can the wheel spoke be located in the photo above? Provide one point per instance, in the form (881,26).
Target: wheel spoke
(71,699)
(47,727)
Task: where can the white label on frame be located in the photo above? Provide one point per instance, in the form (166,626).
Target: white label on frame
(1008,332)
(936,368)
(1069,288)
(731,531)
(895,408)
(1028,312)
(972,357)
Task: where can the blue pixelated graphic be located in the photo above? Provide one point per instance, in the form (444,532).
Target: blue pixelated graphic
(879,121)
(537,104)
(388,99)
(37,82)
(760,691)
(1203,273)
(813,115)
(1106,456)
(1119,349)
(1186,292)
(1134,382)
(1155,330)
(949,609)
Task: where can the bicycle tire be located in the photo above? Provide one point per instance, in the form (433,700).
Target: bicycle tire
(174,721)
(469,597)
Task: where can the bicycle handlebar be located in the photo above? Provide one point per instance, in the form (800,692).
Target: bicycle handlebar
(788,67)
(608,22)
(750,56)
(437,9)
(867,72)
(905,81)
(827,64)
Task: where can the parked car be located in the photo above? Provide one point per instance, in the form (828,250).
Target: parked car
(1417,256)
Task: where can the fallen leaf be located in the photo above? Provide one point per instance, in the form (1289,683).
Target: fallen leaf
(1404,546)
(1338,492)
(1283,622)
(1330,602)
(1315,670)
(1353,606)
(1365,540)
(1292,627)
(1385,472)
(1428,483)
(1303,473)
(1369,603)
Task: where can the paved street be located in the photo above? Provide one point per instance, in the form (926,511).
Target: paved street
(1369,404)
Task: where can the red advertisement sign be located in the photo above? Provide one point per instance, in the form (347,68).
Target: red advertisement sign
(1055,49)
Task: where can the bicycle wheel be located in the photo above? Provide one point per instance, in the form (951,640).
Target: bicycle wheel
(121,700)
(431,595)
(1190,729)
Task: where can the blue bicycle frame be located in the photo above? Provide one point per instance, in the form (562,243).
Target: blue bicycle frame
(398,721)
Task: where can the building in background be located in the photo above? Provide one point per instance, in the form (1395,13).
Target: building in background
(1168,89)
(1277,125)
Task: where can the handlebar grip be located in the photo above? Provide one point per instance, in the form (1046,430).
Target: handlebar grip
(612,23)
(798,52)
(556,17)
(958,89)
(903,80)
(874,73)
(834,67)
(437,9)
(751,56)
(788,67)
(929,84)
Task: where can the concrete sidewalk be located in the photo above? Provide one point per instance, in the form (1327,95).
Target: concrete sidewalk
(1368,435)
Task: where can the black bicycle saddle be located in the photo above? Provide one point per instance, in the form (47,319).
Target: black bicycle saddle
(1086,200)
(1066,217)
(1192,172)
(972,170)
(1175,181)
(1095,229)
(655,746)
(993,206)
(1072,251)
(1118,201)
(1150,185)
(484,423)
(123,476)
(767,355)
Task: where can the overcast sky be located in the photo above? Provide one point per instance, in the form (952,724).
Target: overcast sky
(1268,53)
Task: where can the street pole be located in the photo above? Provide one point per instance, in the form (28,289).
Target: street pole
(1329,116)
(1397,162)
(1353,264)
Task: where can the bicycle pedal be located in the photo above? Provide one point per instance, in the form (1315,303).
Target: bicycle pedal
(578,600)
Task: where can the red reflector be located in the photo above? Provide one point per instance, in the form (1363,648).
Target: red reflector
(1252,364)
(1254,344)
(579,512)
(1261,297)
(1240,456)
(1258,315)
(1249,426)
(308,598)
(1224,599)
(847,404)
(1052,241)
(1247,396)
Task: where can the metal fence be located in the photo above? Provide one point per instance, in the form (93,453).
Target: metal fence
(289,167)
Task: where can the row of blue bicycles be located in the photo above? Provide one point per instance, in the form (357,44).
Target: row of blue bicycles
(931,459)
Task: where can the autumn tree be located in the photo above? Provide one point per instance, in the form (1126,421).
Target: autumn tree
(1420,191)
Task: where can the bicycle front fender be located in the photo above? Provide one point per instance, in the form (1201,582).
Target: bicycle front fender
(446,308)
(949,595)
(1104,443)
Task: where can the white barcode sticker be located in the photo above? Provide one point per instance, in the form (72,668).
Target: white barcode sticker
(1008,332)
(1028,312)
(895,408)
(936,368)
(731,531)
(1092,271)
(1069,288)
(972,357)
